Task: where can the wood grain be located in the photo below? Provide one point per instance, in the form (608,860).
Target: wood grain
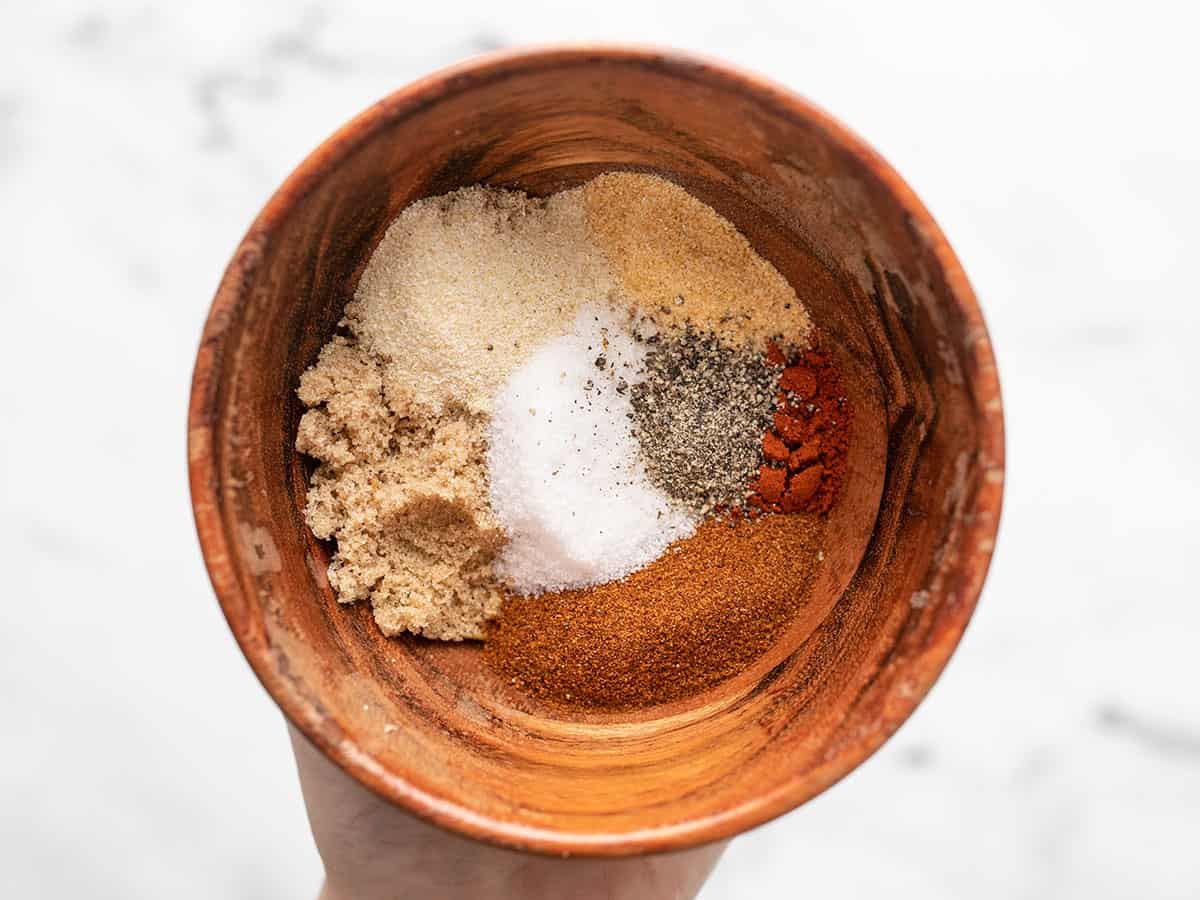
(427,726)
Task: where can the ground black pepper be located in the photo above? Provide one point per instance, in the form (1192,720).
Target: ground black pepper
(699,414)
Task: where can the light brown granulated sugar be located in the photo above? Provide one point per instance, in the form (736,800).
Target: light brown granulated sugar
(404,492)
(666,245)
(464,287)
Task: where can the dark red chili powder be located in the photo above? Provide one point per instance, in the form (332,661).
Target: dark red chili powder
(805,450)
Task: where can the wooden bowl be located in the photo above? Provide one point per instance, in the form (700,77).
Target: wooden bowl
(428,726)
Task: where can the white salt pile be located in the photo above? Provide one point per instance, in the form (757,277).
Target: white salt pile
(566,479)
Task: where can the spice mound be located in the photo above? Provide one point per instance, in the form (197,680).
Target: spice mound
(686,622)
(592,430)
(568,483)
(403,490)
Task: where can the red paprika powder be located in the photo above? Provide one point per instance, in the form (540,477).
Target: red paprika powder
(804,451)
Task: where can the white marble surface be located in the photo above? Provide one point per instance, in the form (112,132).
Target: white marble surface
(1057,143)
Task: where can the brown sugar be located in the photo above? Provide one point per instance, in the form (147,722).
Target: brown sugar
(404,492)
(696,616)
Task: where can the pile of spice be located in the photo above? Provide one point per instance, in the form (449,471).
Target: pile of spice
(567,480)
(804,451)
(692,618)
(700,412)
(664,244)
(591,429)
(466,286)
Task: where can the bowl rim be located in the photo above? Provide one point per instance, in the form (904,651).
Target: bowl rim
(220,554)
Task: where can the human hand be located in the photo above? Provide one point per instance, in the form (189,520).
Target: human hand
(375,851)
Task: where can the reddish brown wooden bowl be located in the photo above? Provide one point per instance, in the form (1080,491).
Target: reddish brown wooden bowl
(426,725)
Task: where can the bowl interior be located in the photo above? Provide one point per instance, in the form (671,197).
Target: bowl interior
(427,725)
